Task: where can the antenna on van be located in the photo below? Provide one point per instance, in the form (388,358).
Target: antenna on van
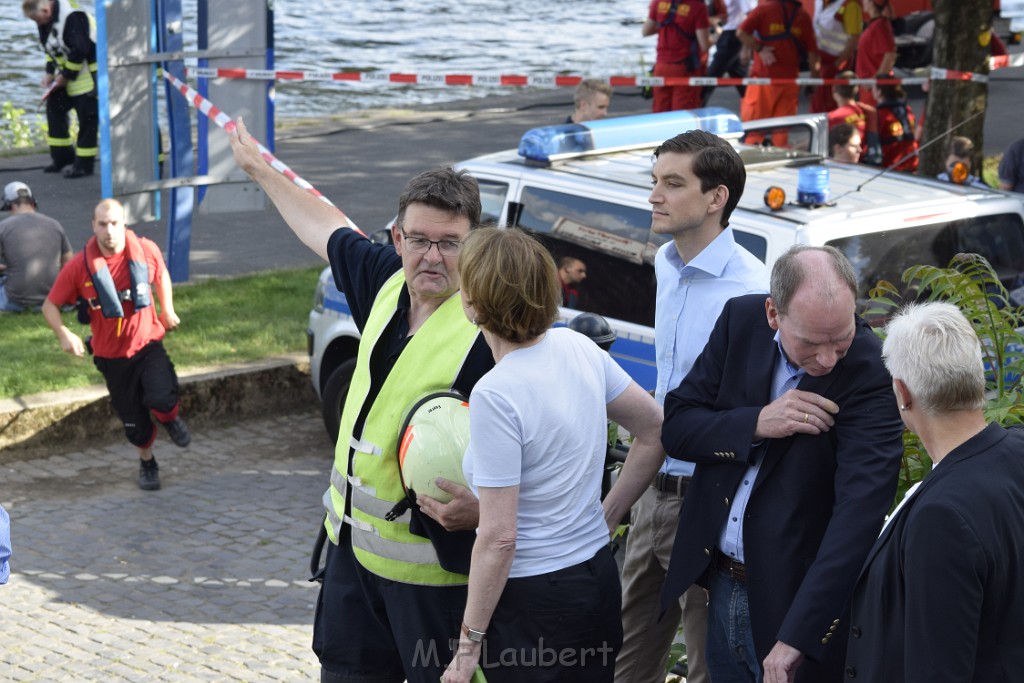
(940,137)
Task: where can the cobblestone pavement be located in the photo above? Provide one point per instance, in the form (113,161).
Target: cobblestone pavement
(204,580)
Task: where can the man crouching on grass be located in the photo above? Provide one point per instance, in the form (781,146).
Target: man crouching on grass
(111,279)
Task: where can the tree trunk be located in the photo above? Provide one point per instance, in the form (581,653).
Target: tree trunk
(961,43)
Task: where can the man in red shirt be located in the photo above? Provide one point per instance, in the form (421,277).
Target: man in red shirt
(896,128)
(682,28)
(779,32)
(113,279)
(876,50)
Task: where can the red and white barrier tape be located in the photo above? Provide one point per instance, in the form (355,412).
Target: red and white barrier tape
(572,81)
(215,114)
(1005,61)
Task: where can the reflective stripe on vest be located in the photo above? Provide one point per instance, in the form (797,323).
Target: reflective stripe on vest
(430,362)
(57,51)
(829,31)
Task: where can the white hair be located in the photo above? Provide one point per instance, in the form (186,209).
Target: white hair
(934,350)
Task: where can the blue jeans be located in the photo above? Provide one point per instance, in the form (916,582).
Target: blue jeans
(730,652)
(5,303)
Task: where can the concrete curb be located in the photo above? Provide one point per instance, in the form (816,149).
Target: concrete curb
(210,397)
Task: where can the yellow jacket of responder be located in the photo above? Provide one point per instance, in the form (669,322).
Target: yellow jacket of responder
(372,485)
(58,53)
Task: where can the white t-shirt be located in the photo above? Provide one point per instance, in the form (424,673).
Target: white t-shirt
(539,420)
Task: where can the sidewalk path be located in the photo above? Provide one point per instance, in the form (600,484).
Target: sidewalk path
(202,580)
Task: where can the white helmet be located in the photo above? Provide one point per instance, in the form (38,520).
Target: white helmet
(432,443)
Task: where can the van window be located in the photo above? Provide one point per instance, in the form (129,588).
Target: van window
(614,241)
(755,244)
(885,255)
(616,230)
(492,200)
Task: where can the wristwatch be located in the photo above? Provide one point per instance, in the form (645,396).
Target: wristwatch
(475,636)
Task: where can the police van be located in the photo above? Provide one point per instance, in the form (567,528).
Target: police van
(582,190)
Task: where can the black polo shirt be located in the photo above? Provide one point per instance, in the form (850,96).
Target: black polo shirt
(360,269)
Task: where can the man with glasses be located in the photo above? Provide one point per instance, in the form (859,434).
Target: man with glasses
(391,600)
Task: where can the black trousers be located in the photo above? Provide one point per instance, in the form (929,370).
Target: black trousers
(58,109)
(726,60)
(560,627)
(137,385)
(373,630)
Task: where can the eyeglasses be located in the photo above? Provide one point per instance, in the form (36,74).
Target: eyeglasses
(421,245)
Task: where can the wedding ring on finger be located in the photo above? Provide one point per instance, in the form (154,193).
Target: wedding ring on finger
(807,417)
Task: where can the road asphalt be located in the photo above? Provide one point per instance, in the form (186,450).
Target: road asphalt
(206,578)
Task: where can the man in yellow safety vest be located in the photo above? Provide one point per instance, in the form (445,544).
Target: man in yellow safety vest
(391,599)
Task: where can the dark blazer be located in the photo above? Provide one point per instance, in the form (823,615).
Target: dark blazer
(818,501)
(941,596)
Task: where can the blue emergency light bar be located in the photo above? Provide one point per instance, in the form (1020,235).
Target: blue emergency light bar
(551,143)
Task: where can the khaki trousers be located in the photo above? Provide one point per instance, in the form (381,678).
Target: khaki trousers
(646,639)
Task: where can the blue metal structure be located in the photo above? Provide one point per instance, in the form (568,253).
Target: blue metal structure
(179,225)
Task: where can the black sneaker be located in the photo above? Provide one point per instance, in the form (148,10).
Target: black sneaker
(149,475)
(178,431)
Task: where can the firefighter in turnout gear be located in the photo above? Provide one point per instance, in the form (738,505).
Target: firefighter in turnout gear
(68,37)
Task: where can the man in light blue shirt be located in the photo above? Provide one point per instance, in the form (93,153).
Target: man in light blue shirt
(698,179)
(5,545)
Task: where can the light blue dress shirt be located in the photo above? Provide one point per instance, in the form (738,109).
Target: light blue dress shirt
(785,377)
(690,299)
(5,545)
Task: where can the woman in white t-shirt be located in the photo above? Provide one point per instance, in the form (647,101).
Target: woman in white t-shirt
(544,597)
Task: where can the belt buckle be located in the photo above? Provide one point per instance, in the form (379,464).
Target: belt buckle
(735,569)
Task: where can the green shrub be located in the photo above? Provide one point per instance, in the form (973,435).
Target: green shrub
(971,284)
(17,131)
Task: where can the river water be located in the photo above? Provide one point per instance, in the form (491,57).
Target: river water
(597,38)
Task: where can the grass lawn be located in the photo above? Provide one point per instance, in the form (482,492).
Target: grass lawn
(222,321)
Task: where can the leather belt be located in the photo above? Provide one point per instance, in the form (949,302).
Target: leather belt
(728,566)
(670,483)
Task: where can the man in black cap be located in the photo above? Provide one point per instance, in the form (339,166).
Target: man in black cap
(33,247)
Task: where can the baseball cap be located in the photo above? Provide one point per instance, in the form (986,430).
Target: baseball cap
(15,191)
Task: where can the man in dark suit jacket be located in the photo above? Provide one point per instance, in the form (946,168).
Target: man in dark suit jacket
(941,595)
(790,418)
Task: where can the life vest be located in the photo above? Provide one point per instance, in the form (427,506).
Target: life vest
(787,32)
(365,476)
(668,23)
(898,123)
(108,299)
(829,31)
(896,133)
(56,50)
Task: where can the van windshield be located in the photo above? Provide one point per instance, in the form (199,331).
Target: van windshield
(885,255)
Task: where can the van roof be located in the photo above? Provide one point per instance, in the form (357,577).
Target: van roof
(900,198)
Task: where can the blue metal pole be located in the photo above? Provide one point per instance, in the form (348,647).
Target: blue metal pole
(103,92)
(179,224)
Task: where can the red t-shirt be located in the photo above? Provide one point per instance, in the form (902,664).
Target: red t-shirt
(690,16)
(894,147)
(874,43)
(769,19)
(862,116)
(114,337)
